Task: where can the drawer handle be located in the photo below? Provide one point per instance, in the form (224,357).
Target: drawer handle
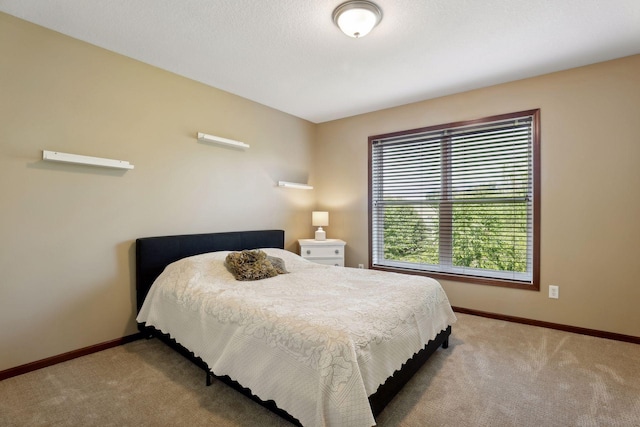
(337,251)
(308,251)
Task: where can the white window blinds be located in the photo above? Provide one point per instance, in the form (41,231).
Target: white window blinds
(456,199)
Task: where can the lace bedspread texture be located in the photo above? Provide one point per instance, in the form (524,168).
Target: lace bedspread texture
(317,341)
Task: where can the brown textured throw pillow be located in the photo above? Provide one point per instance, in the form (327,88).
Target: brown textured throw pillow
(250,265)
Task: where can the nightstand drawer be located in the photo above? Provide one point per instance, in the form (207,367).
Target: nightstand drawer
(322,251)
(338,262)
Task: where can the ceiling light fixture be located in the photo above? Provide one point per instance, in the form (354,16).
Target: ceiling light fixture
(357,18)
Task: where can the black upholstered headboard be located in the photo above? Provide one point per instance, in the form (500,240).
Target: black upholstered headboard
(153,254)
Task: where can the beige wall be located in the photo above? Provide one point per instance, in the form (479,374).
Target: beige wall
(590,219)
(67,232)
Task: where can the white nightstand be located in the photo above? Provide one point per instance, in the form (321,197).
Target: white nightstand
(329,252)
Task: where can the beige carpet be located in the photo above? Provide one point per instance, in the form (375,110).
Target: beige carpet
(494,373)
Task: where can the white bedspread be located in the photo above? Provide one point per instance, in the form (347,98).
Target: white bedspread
(318,341)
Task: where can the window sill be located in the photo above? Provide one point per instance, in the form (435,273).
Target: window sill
(504,283)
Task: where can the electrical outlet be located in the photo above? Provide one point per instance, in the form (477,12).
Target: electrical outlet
(554,291)
(360,265)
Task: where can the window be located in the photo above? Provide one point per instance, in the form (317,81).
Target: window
(458,201)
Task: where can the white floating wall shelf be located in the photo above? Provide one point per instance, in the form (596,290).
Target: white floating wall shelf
(203,137)
(295,185)
(56,156)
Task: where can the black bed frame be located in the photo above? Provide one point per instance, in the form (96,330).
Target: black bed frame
(153,254)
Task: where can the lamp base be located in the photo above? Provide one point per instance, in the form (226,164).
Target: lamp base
(320,234)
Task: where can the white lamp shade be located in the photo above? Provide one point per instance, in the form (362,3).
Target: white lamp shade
(320,219)
(356,22)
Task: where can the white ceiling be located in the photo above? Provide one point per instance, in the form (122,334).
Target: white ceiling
(289,55)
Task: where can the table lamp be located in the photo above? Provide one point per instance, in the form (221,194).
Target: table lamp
(320,219)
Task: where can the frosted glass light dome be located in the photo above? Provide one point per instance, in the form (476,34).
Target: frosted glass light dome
(357,18)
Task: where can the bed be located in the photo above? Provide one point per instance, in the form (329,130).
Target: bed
(306,361)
